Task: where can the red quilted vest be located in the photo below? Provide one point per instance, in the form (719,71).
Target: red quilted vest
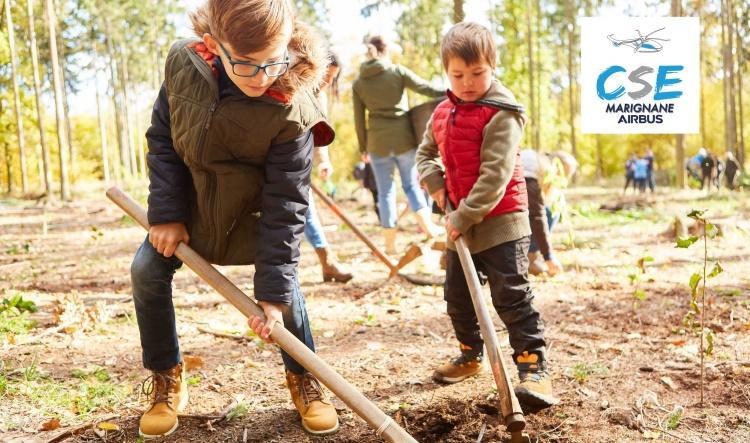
(457,127)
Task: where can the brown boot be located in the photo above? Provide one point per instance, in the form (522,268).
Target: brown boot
(318,414)
(331,268)
(467,364)
(389,235)
(169,395)
(535,389)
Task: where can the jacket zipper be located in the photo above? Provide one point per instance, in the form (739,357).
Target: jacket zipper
(211,182)
(449,148)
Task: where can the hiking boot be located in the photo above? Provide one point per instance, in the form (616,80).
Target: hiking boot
(389,235)
(535,388)
(169,396)
(318,414)
(331,268)
(467,364)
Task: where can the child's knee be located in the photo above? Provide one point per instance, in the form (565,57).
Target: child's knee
(148,265)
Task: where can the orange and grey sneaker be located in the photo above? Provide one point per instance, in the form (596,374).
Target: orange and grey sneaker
(535,389)
(319,417)
(169,396)
(467,364)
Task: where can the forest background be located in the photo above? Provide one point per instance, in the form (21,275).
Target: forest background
(78,79)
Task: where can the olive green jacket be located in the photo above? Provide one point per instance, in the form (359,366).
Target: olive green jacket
(378,92)
(226,142)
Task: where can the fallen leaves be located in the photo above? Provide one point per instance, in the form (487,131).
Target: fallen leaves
(192,362)
(50,425)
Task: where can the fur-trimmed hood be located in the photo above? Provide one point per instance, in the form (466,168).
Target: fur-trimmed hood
(309,60)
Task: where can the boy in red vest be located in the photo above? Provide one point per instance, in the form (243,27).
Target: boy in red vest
(471,152)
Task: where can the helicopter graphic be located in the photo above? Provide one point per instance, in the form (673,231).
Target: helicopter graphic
(643,43)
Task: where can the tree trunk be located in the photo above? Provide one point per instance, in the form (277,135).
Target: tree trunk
(599,158)
(59,109)
(538,92)
(100,114)
(532,89)
(732,117)
(571,79)
(676,11)
(125,84)
(16,97)
(72,151)
(46,162)
(458,11)
(741,123)
(699,6)
(8,161)
(122,141)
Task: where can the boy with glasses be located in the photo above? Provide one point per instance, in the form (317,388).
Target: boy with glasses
(230,154)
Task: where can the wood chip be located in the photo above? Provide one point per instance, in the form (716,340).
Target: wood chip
(669,382)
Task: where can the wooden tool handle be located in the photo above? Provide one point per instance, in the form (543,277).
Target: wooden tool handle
(336,210)
(377,419)
(509,406)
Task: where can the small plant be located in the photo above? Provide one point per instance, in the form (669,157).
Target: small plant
(95,372)
(582,371)
(695,317)
(673,421)
(18,249)
(370,320)
(637,277)
(194,380)
(17,304)
(238,411)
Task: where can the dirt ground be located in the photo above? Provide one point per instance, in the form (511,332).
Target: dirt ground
(625,369)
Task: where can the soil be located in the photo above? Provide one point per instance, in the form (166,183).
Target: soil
(625,369)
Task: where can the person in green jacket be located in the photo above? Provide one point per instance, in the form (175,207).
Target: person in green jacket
(386,137)
(230,154)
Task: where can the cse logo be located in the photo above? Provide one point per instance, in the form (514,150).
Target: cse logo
(664,77)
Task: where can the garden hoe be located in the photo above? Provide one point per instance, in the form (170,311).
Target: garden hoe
(411,254)
(383,425)
(509,406)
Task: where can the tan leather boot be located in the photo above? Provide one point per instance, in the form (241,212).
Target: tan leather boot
(535,389)
(318,414)
(468,364)
(169,396)
(424,219)
(331,268)
(389,235)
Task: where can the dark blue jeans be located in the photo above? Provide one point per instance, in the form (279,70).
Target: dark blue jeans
(506,268)
(151,274)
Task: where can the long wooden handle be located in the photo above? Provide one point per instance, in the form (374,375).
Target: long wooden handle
(509,405)
(377,419)
(336,210)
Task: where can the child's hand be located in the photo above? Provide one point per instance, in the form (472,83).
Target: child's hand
(325,169)
(273,315)
(365,157)
(439,197)
(167,236)
(453,233)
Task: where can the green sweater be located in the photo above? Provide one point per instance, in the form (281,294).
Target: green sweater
(379,90)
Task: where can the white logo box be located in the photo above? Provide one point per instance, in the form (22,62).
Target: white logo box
(664,43)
